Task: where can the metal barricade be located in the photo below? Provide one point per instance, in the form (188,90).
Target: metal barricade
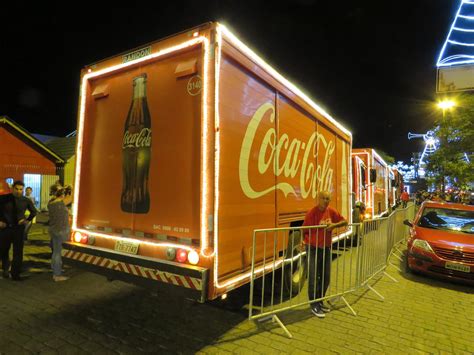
(375,249)
(400,231)
(381,240)
(282,262)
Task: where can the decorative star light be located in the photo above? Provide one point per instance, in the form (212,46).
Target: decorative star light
(459,45)
(431,143)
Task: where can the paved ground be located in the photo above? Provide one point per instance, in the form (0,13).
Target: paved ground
(88,314)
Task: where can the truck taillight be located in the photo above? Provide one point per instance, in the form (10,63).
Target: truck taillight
(77,237)
(182,255)
(193,257)
(171,253)
(83,238)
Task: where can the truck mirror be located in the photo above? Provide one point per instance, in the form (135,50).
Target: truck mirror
(373,175)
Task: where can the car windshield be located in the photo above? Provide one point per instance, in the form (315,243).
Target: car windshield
(447,219)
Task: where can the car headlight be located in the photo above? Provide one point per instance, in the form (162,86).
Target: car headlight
(422,244)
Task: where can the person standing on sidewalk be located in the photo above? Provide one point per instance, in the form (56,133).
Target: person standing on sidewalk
(405,197)
(318,249)
(8,221)
(58,228)
(14,230)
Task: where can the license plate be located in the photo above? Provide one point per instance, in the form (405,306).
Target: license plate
(457,267)
(126,246)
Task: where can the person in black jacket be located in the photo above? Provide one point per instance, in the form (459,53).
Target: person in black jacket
(8,221)
(14,229)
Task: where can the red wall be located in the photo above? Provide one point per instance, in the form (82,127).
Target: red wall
(19,155)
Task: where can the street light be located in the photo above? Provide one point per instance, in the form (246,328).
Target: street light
(446,104)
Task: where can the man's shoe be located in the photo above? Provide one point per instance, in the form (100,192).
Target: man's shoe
(324,308)
(17,278)
(60,278)
(317,311)
(5,275)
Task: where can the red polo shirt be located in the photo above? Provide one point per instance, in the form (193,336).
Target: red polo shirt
(316,217)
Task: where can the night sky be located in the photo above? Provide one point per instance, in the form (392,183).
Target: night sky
(371,64)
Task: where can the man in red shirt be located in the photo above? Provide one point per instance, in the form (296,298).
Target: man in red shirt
(405,197)
(318,249)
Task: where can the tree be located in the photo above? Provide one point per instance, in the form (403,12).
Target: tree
(387,158)
(455,136)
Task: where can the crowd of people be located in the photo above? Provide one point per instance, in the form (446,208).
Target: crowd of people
(453,196)
(17,212)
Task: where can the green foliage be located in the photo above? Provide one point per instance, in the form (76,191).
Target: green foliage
(455,134)
(388,158)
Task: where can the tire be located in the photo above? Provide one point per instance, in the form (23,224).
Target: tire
(354,239)
(236,299)
(408,270)
(295,272)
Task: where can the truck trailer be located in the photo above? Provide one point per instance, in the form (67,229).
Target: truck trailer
(185,146)
(376,190)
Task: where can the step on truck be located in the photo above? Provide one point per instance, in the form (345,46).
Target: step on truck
(185,146)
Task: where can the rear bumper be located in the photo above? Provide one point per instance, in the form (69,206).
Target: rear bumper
(144,271)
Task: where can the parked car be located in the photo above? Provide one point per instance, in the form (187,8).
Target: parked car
(442,241)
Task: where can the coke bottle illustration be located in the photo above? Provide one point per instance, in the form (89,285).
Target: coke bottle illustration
(136,151)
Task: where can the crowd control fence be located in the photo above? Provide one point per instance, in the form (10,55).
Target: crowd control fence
(299,266)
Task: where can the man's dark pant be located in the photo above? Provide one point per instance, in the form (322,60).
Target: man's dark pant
(12,235)
(319,271)
(5,242)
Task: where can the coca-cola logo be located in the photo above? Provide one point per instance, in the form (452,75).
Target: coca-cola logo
(137,140)
(285,156)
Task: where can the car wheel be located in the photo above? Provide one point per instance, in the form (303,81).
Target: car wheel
(408,270)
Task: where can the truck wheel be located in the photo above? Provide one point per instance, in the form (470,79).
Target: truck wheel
(235,300)
(295,272)
(354,239)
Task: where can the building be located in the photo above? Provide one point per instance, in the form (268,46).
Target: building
(66,148)
(23,157)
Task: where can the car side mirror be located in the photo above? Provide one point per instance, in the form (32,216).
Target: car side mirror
(407,223)
(373,175)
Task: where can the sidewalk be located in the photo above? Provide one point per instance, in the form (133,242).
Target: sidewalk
(37,252)
(88,314)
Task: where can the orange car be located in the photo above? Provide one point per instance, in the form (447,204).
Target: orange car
(442,241)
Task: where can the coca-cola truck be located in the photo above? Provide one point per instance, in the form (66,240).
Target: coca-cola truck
(395,186)
(360,189)
(376,181)
(184,147)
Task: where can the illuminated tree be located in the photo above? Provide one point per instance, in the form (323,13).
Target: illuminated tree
(451,163)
